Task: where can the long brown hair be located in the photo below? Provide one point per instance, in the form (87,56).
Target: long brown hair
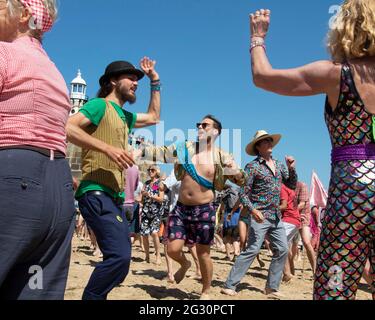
(105,90)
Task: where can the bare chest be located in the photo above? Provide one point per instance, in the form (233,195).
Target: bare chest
(204,164)
(271,165)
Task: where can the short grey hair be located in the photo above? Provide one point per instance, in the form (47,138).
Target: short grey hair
(14,7)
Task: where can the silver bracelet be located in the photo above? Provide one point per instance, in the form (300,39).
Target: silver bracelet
(257,43)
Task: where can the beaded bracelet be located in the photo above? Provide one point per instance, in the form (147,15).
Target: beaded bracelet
(258,45)
(155,87)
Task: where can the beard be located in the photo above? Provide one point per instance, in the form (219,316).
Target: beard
(125,94)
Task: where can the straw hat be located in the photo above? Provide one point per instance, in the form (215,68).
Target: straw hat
(261,135)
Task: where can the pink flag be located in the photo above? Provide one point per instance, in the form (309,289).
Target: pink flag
(318,195)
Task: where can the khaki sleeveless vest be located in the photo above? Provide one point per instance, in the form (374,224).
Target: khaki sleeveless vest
(96,166)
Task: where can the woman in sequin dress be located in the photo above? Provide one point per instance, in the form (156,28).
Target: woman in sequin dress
(348,229)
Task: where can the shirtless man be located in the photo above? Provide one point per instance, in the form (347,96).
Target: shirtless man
(202,168)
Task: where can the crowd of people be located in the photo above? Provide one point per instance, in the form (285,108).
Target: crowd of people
(271,207)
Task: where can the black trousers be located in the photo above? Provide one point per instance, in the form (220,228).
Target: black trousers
(36,225)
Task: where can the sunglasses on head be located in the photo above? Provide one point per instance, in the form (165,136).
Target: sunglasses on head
(203,124)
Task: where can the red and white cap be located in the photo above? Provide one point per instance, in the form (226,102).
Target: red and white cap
(42,18)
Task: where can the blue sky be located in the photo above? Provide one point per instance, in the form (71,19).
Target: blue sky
(201,49)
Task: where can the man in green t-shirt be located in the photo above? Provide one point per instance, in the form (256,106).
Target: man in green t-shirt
(101,128)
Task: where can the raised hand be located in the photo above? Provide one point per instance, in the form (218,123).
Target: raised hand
(290,162)
(259,23)
(148,67)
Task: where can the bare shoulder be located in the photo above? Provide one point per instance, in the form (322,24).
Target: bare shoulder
(325,69)
(332,74)
(333,70)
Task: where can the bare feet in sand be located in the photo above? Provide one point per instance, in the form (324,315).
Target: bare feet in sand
(169,278)
(273,294)
(180,274)
(287,279)
(228,292)
(197,276)
(205,296)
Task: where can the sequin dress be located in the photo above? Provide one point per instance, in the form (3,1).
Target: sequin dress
(348,229)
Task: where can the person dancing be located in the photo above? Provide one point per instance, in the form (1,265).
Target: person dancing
(348,227)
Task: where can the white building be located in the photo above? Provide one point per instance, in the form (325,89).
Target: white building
(78,98)
(78,95)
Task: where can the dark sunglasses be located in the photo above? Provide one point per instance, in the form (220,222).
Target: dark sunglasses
(269,140)
(203,124)
(151,170)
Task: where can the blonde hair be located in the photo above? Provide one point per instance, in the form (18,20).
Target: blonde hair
(353,32)
(157,169)
(15,6)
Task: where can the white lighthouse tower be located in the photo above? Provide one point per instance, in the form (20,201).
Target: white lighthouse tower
(78,95)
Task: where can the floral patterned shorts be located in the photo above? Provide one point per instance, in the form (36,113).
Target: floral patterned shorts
(193,224)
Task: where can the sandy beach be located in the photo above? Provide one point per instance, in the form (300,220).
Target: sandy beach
(147,281)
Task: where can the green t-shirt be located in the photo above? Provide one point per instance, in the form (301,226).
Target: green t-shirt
(94,110)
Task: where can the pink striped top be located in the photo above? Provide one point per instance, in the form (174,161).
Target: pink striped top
(34,101)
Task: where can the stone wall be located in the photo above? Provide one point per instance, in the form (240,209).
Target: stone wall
(74,158)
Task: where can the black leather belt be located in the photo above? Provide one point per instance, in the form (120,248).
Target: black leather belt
(43,151)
